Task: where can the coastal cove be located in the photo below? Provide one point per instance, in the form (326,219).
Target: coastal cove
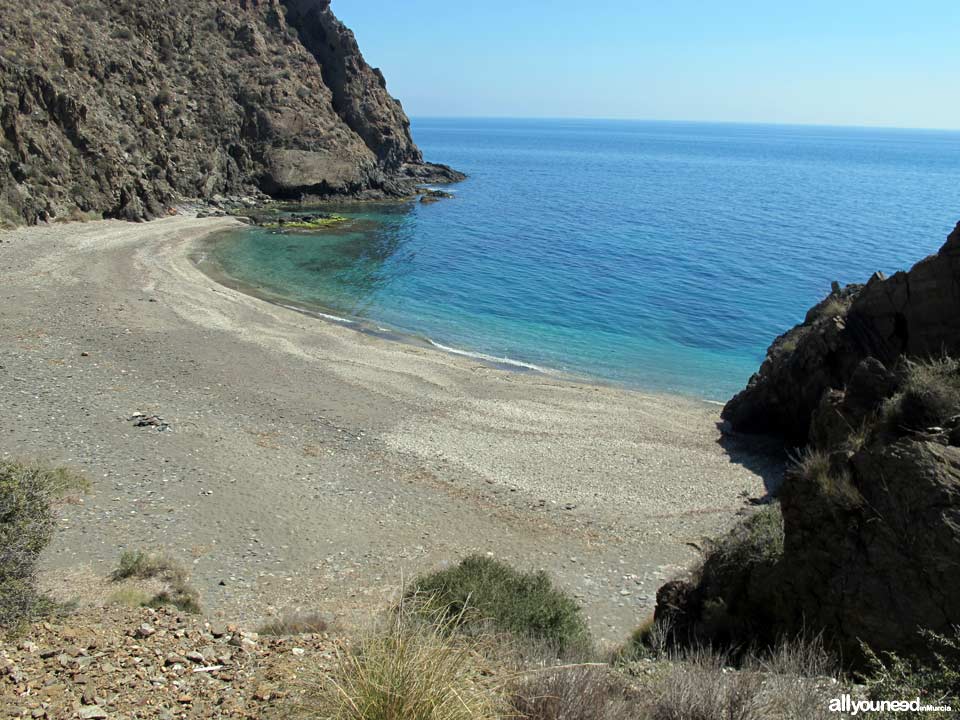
(309,465)
(658,256)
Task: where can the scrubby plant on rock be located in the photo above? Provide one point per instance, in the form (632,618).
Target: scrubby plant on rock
(730,601)
(929,396)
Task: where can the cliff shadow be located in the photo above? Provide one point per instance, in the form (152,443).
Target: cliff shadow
(764,455)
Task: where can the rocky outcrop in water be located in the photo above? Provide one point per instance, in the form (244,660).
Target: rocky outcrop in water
(869,545)
(123,108)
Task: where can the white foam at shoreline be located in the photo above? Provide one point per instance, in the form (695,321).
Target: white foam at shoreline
(489,358)
(317,313)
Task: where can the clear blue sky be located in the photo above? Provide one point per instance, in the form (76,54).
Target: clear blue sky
(847,62)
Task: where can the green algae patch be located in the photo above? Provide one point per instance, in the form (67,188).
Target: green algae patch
(316,222)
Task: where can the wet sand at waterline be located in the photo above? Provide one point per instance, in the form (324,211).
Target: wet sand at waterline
(310,466)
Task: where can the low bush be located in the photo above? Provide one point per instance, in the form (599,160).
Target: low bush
(28,494)
(582,692)
(140,565)
(652,640)
(701,687)
(144,566)
(412,670)
(794,680)
(298,624)
(482,592)
(934,679)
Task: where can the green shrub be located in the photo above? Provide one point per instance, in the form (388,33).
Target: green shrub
(141,565)
(28,493)
(934,679)
(481,591)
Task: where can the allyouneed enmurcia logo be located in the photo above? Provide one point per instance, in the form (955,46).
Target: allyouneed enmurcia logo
(847,704)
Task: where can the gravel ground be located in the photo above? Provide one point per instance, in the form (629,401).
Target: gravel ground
(303,465)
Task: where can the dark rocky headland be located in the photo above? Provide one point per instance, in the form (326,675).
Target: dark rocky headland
(124,109)
(866,394)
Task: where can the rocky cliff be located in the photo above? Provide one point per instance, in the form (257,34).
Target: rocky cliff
(911,314)
(123,108)
(864,542)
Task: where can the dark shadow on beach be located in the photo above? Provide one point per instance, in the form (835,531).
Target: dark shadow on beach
(764,455)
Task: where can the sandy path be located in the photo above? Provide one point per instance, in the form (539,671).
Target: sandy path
(311,466)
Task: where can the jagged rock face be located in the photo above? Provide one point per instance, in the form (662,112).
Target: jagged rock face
(871,514)
(914,314)
(359,92)
(871,530)
(123,108)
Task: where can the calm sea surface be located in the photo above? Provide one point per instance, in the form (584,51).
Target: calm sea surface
(664,256)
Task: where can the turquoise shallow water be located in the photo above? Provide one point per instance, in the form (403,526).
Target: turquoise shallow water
(664,256)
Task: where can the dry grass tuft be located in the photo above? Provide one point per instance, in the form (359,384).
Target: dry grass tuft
(835,307)
(702,687)
(814,467)
(793,680)
(297,624)
(930,395)
(411,670)
(582,692)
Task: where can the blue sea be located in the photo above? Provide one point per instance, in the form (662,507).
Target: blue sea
(661,256)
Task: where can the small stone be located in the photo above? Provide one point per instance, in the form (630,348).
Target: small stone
(218,630)
(92,711)
(299,652)
(146,630)
(174,659)
(194,656)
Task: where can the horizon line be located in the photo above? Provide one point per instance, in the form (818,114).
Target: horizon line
(766,123)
